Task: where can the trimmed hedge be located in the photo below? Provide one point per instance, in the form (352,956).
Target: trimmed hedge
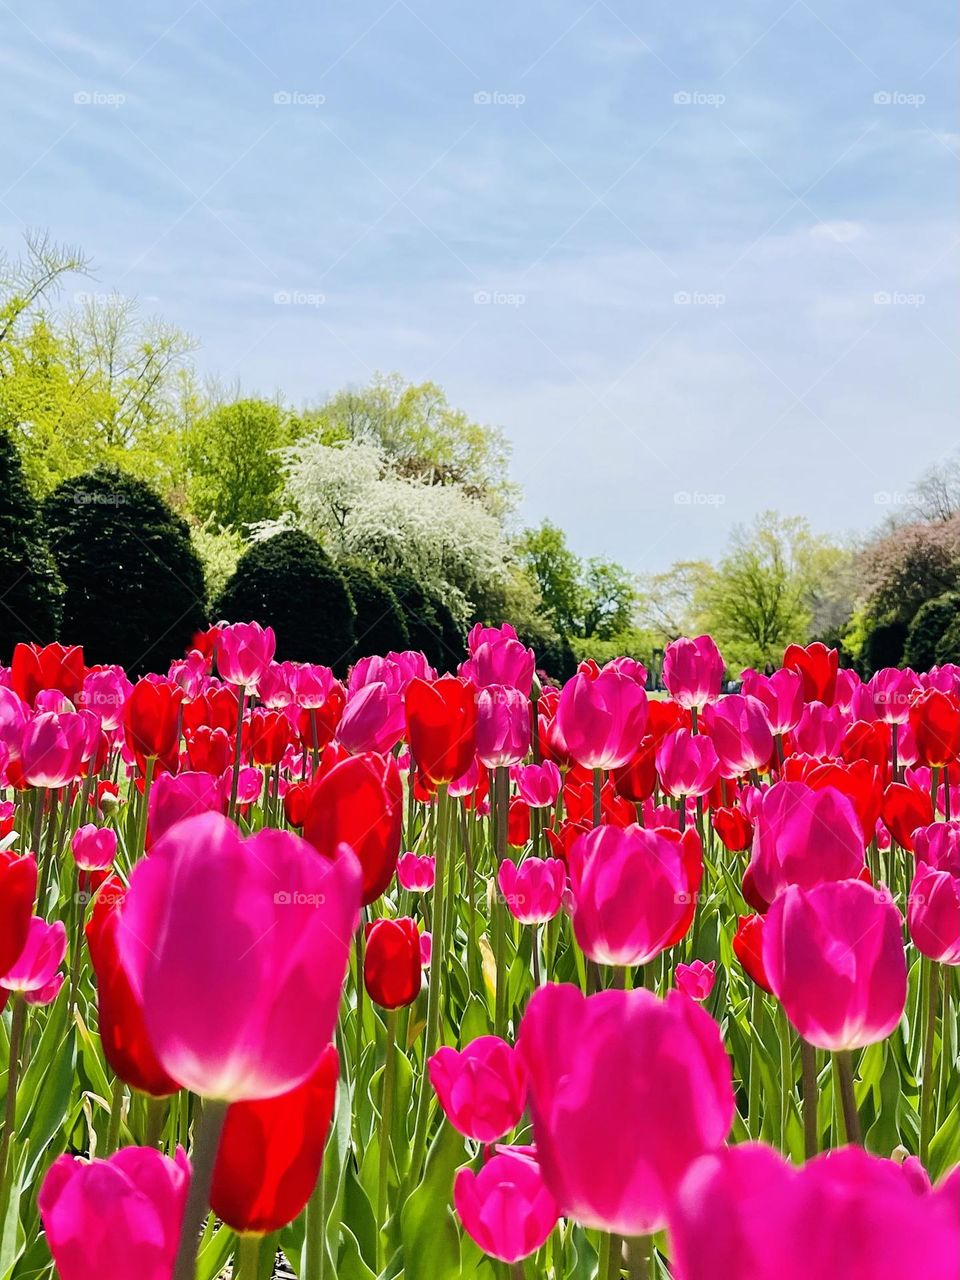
(929,624)
(948,646)
(430,623)
(30,588)
(380,625)
(884,646)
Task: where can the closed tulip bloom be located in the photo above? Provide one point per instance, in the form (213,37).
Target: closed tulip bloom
(820,730)
(442,726)
(94,848)
(482,1088)
(696,979)
(271,1151)
(804,837)
(500,661)
(740,732)
(939,845)
(104,692)
(537,784)
(505,1208)
(359,802)
(612,1152)
(893,690)
(37,667)
(746,1213)
(18,892)
(244,652)
(693,671)
(933,914)
(781,696)
(748,948)
(687,763)
(373,719)
(54,748)
(503,726)
(37,964)
(532,890)
(391,962)
(602,720)
(209,749)
(834,955)
(733,827)
(227,941)
(270,733)
(118,1218)
(637,779)
(416,872)
(935,721)
(174,797)
(151,719)
(903,810)
(817,666)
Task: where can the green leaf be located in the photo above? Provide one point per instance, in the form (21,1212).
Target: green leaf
(428,1231)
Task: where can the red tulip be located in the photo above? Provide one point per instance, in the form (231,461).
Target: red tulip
(870,742)
(271,1151)
(216,707)
(18,889)
(209,750)
(935,722)
(270,735)
(151,720)
(518,823)
(636,779)
(391,962)
(818,666)
(734,828)
(442,726)
(903,810)
(748,948)
(53,666)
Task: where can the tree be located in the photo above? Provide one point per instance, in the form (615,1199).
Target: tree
(430,624)
(883,646)
(37,274)
(909,565)
(30,587)
(929,623)
(289,583)
(234,472)
(134,584)
(609,596)
(380,625)
(544,553)
(666,601)
(936,495)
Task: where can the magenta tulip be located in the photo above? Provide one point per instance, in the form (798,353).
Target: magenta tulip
(500,660)
(834,957)
(741,734)
(226,941)
(687,763)
(482,1088)
(781,696)
(612,1144)
(116,1219)
(275,686)
(244,653)
(94,848)
(933,914)
(104,692)
(939,845)
(804,837)
(503,726)
(696,979)
(174,797)
(533,890)
(54,748)
(312,685)
(893,689)
(416,873)
(693,671)
(537,784)
(602,720)
(506,1208)
(819,731)
(37,964)
(373,719)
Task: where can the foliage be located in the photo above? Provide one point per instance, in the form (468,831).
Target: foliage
(219,550)
(929,623)
(883,646)
(289,583)
(556,570)
(632,643)
(380,625)
(948,646)
(134,584)
(37,274)
(430,623)
(666,601)
(909,565)
(30,587)
(936,495)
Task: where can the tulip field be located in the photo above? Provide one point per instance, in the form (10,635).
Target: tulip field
(430,975)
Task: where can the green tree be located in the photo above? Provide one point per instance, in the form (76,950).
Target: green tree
(929,623)
(609,596)
(666,601)
(380,625)
(556,570)
(30,587)
(234,472)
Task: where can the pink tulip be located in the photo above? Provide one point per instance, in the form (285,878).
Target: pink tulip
(54,748)
(506,1208)
(373,719)
(244,652)
(847,689)
(312,684)
(696,979)
(413,665)
(804,837)
(116,1219)
(503,726)
(946,678)
(376,670)
(38,962)
(47,993)
(532,890)
(939,845)
(781,695)
(687,763)
(630,667)
(104,692)
(933,914)
(179,796)
(426,949)
(500,661)
(480,634)
(602,720)
(634,891)
(482,1088)
(745,1213)
(14,714)
(612,1150)
(693,671)
(538,784)
(819,731)
(740,732)
(416,872)
(835,960)
(226,941)
(94,848)
(893,689)
(275,687)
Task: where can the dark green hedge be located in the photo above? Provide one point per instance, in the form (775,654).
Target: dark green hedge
(30,587)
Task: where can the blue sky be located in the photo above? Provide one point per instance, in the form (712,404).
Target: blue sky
(695,260)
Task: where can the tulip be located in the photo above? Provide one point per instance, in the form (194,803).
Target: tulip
(819,731)
(151,720)
(123,1032)
(94,848)
(208,749)
(939,845)
(634,891)
(781,696)
(745,1213)
(748,948)
(532,891)
(373,719)
(817,666)
(637,779)
(687,763)
(602,720)
(54,748)
(538,784)
(597,1067)
(518,823)
(413,665)
(118,1218)
(903,810)
(18,892)
(442,726)
(54,666)
(174,797)
(37,964)
(416,872)
(14,715)
(275,685)
(696,979)
(482,1088)
(271,1152)
(693,671)
(804,837)
(506,1208)
(933,914)
(359,802)
(733,827)
(426,950)
(835,959)
(935,722)
(741,734)
(893,689)
(502,660)
(226,942)
(244,652)
(104,692)
(503,726)
(391,962)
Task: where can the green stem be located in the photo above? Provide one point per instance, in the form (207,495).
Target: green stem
(17,1024)
(848,1098)
(811,1131)
(248,1257)
(144,805)
(500,811)
(235,780)
(929,1034)
(116,1111)
(786,1075)
(386,1125)
(212,1119)
(638,1257)
(314,1244)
